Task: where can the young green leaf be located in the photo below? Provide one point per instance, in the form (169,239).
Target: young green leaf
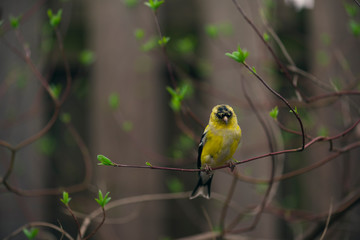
(15,21)
(212,30)
(253,69)
(114,101)
(351,9)
(175,185)
(55,90)
(30,233)
(127,126)
(164,41)
(65,118)
(103,200)
(131,3)
(274,112)
(104,161)
(186,45)
(177,96)
(87,57)
(150,44)
(139,33)
(240,55)
(65,199)
(295,110)
(266,37)
(323,131)
(154,4)
(54,19)
(354,27)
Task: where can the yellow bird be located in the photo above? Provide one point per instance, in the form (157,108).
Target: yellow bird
(217,146)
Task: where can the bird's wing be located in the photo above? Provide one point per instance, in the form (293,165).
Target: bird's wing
(201,146)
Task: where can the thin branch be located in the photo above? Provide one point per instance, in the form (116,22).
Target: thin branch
(256,30)
(357,2)
(284,101)
(130,200)
(38,224)
(98,227)
(226,204)
(327,222)
(75,219)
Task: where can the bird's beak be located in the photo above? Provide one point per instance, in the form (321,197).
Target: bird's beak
(226,119)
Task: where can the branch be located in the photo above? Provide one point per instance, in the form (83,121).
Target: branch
(38,224)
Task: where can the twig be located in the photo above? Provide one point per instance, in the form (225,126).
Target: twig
(130,200)
(98,227)
(282,99)
(38,224)
(277,60)
(327,222)
(226,204)
(75,219)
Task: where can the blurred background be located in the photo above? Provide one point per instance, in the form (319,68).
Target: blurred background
(100,82)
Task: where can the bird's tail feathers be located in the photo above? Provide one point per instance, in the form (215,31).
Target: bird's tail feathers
(203,188)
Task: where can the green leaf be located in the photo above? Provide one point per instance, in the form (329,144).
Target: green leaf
(154,4)
(150,44)
(177,95)
(55,90)
(295,110)
(266,37)
(15,21)
(261,188)
(253,69)
(104,161)
(46,145)
(274,112)
(354,27)
(127,126)
(103,200)
(212,30)
(148,164)
(31,233)
(186,45)
(54,19)
(87,57)
(65,117)
(175,185)
(65,199)
(351,9)
(163,41)
(139,33)
(114,101)
(240,55)
(131,3)
(323,131)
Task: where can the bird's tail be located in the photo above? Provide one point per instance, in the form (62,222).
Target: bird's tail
(203,187)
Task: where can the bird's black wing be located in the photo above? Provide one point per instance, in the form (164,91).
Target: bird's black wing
(201,145)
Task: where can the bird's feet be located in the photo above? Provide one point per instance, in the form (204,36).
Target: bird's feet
(232,166)
(208,169)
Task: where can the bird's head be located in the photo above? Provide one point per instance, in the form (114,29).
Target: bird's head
(223,115)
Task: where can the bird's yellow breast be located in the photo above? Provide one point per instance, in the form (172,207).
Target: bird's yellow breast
(220,145)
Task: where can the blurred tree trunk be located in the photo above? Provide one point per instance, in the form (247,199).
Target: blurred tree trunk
(227,77)
(331,44)
(133,133)
(22,115)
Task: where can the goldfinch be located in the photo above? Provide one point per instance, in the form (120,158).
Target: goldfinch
(217,145)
